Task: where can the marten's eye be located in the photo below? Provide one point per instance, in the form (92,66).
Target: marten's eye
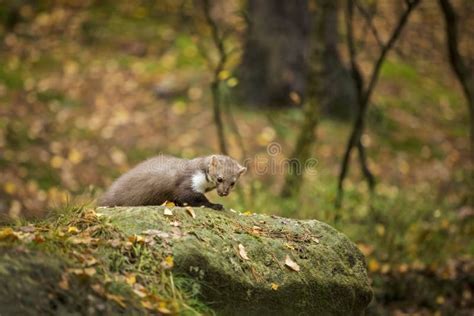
(232,184)
(219,179)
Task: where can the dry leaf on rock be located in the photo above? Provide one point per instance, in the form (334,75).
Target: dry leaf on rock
(168,212)
(291,264)
(117,299)
(190,211)
(243,252)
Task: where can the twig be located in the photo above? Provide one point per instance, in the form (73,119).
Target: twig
(464,74)
(216,98)
(364,94)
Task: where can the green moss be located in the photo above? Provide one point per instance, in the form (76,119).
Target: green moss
(209,274)
(332,279)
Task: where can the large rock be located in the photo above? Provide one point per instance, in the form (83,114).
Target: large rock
(212,247)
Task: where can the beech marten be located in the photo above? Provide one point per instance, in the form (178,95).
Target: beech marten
(166,178)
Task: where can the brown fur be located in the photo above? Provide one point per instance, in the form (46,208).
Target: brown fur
(167,178)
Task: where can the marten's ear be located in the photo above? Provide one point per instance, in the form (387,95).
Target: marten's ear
(213,163)
(241,170)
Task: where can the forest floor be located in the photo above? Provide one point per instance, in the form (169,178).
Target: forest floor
(87,93)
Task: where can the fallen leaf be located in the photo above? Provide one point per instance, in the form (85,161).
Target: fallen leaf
(99,289)
(247,213)
(190,211)
(90,271)
(83,240)
(140,291)
(168,263)
(64,283)
(136,239)
(130,278)
(169,204)
(163,308)
(87,272)
(117,299)
(291,264)
(90,261)
(243,252)
(275,286)
(147,305)
(38,239)
(374,265)
(175,223)
(8,234)
(287,245)
(168,212)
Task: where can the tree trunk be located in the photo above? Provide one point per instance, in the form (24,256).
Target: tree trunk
(338,95)
(462,71)
(273,68)
(306,136)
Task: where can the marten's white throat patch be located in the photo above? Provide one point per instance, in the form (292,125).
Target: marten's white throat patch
(199,182)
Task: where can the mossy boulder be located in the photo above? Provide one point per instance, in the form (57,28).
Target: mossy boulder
(249,264)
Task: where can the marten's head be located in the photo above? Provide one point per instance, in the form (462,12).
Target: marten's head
(224,172)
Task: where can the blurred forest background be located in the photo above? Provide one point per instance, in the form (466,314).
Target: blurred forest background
(381,93)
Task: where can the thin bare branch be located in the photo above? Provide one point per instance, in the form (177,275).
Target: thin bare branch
(364,94)
(216,97)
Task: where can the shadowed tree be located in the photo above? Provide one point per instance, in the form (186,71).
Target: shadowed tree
(337,93)
(460,66)
(273,68)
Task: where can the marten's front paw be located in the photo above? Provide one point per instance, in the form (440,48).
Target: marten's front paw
(217,207)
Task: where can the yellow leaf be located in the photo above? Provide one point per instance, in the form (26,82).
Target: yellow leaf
(90,271)
(72,230)
(247,213)
(9,187)
(291,264)
(57,162)
(380,229)
(136,239)
(168,263)
(170,204)
(163,308)
(243,252)
(90,261)
(374,265)
(140,292)
(385,268)
(287,245)
(224,74)
(8,234)
(275,286)
(232,82)
(190,211)
(117,299)
(147,305)
(131,279)
(74,156)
